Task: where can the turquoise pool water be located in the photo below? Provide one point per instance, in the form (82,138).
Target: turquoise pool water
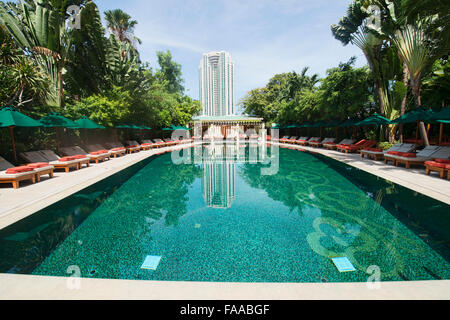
(222,220)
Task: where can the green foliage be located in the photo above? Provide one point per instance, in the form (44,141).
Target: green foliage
(170,72)
(345,92)
(109,109)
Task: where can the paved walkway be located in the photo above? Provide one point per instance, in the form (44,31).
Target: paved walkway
(53,288)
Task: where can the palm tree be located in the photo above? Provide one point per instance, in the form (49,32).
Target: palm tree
(120,24)
(38,28)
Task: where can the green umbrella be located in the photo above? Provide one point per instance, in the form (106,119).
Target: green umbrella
(145,128)
(333,123)
(443,115)
(10,118)
(419,114)
(349,123)
(277,127)
(56,120)
(86,123)
(306,124)
(319,124)
(374,119)
(123,126)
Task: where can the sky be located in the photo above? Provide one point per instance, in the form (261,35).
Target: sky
(264,37)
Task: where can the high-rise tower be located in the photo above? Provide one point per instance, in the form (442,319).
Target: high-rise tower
(217,84)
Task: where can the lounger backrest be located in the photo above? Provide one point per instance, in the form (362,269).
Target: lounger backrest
(33,157)
(49,155)
(428,151)
(78,150)
(112,145)
(4,165)
(314,139)
(442,153)
(147,141)
(406,147)
(396,147)
(94,147)
(157,140)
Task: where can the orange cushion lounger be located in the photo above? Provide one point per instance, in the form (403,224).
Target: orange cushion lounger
(438,165)
(13,175)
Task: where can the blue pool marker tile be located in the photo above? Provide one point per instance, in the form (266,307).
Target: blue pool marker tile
(343,264)
(151,262)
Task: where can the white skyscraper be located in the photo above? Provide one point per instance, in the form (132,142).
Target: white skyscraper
(217,84)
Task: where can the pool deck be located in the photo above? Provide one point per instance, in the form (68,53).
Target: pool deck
(53,288)
(18,204)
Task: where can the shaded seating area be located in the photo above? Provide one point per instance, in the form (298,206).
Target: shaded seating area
(14,175)
(114,152)
(442,166)
(303,141)
(64,163)
(427,154)
(333,145)
(98,156)
(357,146)
(378,154)
(321,143)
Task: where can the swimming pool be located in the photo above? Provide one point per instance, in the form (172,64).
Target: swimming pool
(220,219)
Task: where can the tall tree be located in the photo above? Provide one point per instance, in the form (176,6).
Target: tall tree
(170,72)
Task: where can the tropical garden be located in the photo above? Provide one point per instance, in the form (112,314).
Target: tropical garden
(406,44)
(94,71)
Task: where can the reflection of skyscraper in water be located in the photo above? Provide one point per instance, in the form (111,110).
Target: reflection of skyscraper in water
(219,174)
(219,184)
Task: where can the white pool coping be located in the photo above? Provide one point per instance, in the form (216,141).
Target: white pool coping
(30,287)
(60,288)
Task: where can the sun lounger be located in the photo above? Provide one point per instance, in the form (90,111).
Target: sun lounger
(333,145)
(308,140)
(14,175)
(39,165)
(119,146)
(439,165)
(357,146)
(320,143)
(313,142)
(160,142)
(378,154)
(48,156)
(100,155)
(135,144)
(114,152)
(427,154)
(302,140)
(291,140)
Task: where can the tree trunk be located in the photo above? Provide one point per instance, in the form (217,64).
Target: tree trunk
(415,84)
(405,98)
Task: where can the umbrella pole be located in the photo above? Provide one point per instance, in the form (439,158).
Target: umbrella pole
(441,133)
(11,132)
(417,131)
